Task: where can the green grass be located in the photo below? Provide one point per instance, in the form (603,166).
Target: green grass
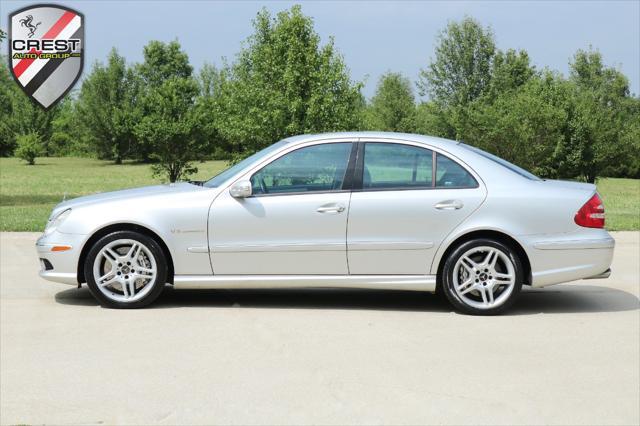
(621,203)
(27,193)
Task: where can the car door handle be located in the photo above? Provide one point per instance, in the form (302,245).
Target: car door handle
(449,205)
(330,209)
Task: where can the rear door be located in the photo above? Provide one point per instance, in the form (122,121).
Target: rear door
(406,199)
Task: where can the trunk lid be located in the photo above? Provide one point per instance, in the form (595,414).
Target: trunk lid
(567,184)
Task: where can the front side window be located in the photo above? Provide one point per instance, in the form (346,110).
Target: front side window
(225,175)
(317,168)
(391,165)
(450,174)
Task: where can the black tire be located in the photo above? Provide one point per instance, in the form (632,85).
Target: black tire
(157,285)
(459,302)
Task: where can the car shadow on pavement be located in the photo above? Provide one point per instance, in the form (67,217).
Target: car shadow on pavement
(570,298)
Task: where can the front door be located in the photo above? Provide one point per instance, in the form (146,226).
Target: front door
(294,223)
(409,199)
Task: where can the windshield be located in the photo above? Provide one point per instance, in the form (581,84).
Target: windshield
(504,163)
(223,176)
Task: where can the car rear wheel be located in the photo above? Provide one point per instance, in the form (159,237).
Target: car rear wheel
(482,277)
(125,269)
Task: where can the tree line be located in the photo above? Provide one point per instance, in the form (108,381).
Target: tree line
(285,82)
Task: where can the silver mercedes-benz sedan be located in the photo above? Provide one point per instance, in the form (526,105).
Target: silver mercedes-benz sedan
(350,210)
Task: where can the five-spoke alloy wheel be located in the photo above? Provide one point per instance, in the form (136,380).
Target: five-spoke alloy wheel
(125,269)
(482,277)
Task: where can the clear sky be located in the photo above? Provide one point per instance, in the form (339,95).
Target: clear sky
(374,37)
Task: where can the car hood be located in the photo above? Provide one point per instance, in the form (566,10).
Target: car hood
(134,193)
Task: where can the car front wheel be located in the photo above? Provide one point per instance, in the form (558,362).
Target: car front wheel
(482,277)
(125,269)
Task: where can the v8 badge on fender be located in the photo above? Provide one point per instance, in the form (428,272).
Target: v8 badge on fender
(46,51)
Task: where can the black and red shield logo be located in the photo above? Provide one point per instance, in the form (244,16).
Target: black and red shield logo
(46,51)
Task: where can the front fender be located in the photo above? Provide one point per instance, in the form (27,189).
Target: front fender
(180,221)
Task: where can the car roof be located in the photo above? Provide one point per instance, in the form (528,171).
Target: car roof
(430,140)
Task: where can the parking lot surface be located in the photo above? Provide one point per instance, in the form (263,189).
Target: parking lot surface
(567,354)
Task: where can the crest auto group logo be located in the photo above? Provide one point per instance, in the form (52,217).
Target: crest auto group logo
(46,51)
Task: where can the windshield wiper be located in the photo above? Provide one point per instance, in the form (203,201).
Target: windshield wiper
(196,182)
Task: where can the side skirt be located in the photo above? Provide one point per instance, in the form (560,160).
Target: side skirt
(388,282)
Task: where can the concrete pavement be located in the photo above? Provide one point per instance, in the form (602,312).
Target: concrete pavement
(567,354)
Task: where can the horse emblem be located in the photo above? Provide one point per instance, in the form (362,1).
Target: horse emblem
(28,22)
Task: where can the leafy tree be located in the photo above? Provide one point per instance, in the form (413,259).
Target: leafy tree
(629,144)
(285,83)
(393,106)
(163,61)
(510,71)
(107,107)
(461,69)
(29,147)
(571,128)
(523,126)
(430,120)
(210,80)
(211,83)
(69,136)
(27,117)
(460,73)
(169,130)
(598,120)
(20,115)
(7,138)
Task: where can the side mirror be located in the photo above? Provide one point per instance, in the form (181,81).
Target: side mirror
(240,189)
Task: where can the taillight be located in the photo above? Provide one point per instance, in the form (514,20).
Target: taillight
(591,215)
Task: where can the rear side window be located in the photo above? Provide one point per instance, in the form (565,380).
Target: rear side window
(391,165)
(450,174)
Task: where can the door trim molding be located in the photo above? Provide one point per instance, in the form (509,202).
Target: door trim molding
(388,282)
(244,248)
(198,249)
(388,245)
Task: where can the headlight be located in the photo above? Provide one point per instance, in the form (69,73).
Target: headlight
(56,221)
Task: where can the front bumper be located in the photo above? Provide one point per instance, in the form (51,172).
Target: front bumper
(60,266)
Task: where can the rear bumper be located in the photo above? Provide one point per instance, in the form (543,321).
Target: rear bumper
(569,257)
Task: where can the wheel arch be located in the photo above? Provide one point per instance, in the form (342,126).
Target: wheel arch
(123,227)
(492,234)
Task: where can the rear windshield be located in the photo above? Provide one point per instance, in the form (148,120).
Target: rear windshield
(504,163)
